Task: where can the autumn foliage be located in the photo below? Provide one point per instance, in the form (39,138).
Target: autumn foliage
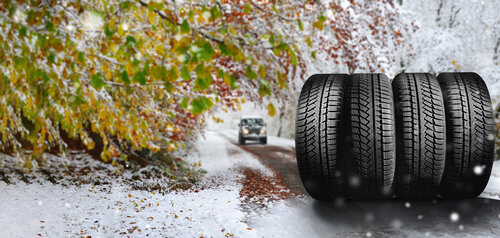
(136,75)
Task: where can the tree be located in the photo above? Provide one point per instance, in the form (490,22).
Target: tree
(136,74)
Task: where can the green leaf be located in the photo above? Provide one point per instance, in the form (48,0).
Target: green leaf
(215,13)
(81,57)
(172,74)
(293,56)
(272,40)
(200,71)
(308,41)
(225,50)
(126,5)
(185,73)
(299,22)
(169,87)
(146,68)
(159,72)
(140,78)
(51,58)
(44,76)
(250,73)
(185,26)
(206,51)
(264,88)
(262,71)
(248,8)
(184,103)
(130,41)
(124,77)
(96,81)
(203,83)
(200,104)
(231,81)
(23,31)
(108,31)
(49,26)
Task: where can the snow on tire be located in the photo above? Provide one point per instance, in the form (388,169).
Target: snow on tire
(470,135)
(370,136)
(420,133)
(318,130)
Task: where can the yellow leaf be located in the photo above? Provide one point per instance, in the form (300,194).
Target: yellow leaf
(151,17)
(453,62)
(271,110)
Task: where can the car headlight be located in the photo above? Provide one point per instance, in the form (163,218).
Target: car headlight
(263,131)
(245,131)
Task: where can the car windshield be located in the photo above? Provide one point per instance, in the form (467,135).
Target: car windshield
(252,122)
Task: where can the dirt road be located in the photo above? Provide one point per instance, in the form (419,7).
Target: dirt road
(464,218)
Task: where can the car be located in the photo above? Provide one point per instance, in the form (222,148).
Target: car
(252,128)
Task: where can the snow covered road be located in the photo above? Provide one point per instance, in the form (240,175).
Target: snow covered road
(217,208)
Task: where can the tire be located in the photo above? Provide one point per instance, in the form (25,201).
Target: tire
(420,133)
(318,129)
(263,141)
(470,135)
(370,136)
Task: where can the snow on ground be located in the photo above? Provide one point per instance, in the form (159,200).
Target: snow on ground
(215,209)
(213,150)
(492,190)
(53,210)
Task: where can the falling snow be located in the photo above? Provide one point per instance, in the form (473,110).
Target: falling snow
(478,169)
(454,217)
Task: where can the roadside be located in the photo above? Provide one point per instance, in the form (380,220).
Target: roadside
(247,191)
(211,208)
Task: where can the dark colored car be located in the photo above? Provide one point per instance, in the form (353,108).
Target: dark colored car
(252,128)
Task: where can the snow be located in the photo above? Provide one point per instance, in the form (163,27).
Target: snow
(214,146)
(109,210)
(92,21)
(492,190)
(215,209)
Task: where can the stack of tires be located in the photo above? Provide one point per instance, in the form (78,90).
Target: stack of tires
(362,137)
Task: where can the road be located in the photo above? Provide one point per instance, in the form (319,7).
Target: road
(478,217)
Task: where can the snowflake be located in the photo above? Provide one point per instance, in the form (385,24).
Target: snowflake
(454,217)
(479,169)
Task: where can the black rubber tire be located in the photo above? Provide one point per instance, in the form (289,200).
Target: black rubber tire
(470,135)
(420,133)
(263,141)
(370,136)
(318,129)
